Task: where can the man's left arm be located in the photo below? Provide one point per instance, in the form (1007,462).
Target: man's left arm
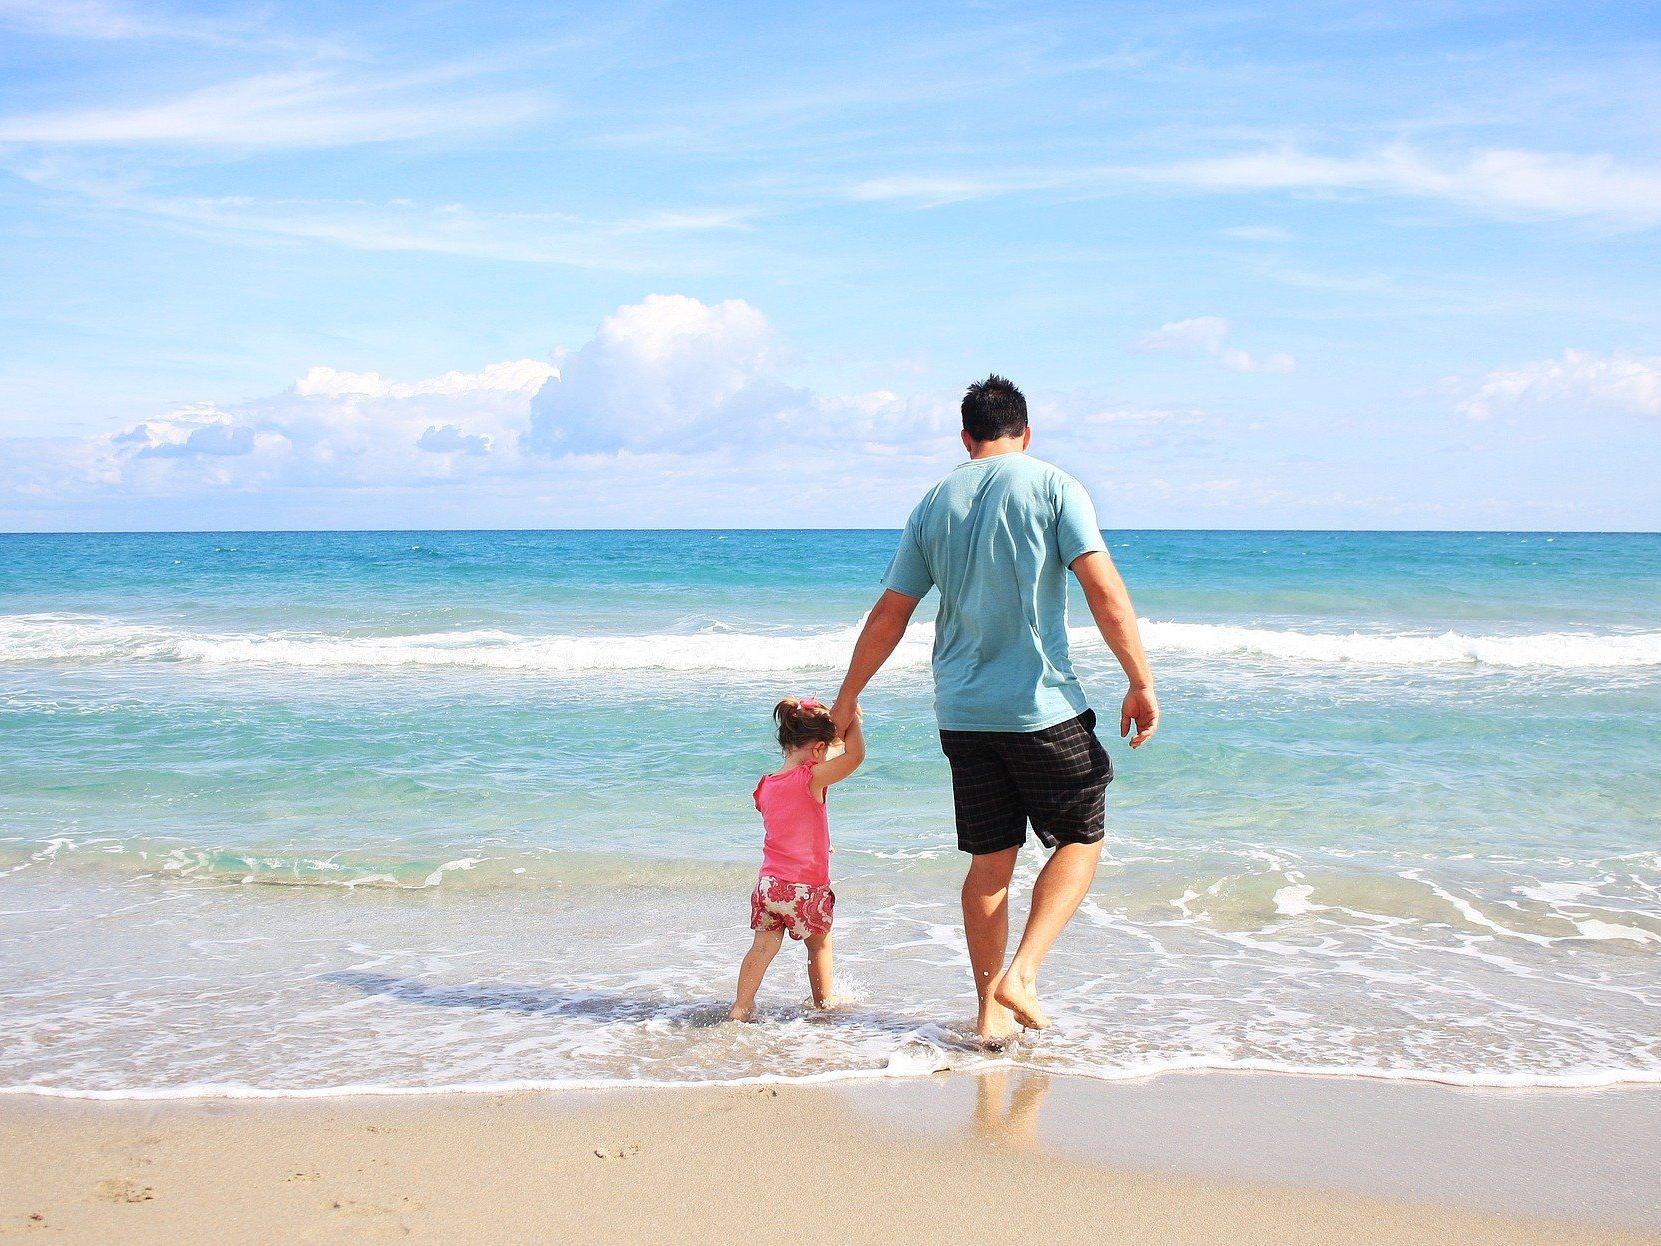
(1110,605)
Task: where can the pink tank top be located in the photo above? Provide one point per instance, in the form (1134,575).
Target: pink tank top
(797,847)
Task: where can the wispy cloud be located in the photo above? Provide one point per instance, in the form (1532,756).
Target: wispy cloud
(631,243)
(1504,183)
(291,109)
(627,244)
(77,19)
(1579,383)
(108,20)
(1206,336)
(1514,184)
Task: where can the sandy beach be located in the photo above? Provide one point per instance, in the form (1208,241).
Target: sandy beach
(1201,1158)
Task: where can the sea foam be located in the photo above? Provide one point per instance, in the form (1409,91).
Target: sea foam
(58,639)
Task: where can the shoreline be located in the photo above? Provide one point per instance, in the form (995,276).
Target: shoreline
(1184,1158)
(1544,1083)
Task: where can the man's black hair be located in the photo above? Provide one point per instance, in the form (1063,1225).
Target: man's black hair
(994,408)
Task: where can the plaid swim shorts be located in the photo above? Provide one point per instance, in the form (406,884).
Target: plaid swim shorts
(796,908)
(1055,778)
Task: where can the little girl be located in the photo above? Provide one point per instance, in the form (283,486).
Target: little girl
(793,892)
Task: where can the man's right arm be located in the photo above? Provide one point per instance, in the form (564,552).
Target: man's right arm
(884,629)
(1110,605)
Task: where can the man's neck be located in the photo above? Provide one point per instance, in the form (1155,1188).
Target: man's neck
(991,449)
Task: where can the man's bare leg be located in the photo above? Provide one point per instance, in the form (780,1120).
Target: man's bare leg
(1060,889)
(986,928)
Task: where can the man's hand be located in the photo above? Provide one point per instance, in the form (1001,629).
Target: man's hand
(1141,707)
(843,715)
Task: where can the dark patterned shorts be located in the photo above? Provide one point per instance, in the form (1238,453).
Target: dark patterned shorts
(1055,778)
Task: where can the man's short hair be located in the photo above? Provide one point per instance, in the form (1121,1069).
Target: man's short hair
(994,408)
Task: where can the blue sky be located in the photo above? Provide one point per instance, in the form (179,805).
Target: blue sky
(1294,265)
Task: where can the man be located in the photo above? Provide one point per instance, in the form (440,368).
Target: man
(997,537)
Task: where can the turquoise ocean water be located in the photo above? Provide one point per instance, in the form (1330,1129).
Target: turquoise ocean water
(303,813)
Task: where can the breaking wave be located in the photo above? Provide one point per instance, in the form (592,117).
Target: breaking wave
(57,639)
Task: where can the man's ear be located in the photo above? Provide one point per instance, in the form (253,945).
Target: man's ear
(968,441)
(1026,437)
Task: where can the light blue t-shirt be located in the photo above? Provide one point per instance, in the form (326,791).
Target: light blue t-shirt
(996,537)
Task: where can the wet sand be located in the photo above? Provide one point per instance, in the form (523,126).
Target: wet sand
(1180,1159)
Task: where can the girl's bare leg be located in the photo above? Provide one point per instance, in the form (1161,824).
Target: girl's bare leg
(751,972)
(821,969)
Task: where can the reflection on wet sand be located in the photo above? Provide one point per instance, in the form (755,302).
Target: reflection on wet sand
(1006,1106)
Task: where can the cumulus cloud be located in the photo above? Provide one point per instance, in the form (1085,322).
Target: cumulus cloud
(669,371)
(671,398)
(450,439)
(524,376)
(1205,337)
(187,432)
(1578,382)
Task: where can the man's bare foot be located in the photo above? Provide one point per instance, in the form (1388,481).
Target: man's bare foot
(995,1027)
(1019,994)
(735,1013)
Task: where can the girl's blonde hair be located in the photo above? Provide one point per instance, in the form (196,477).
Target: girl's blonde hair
(803,721)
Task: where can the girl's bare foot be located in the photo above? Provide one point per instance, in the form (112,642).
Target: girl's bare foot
(735,1013)
(1019,994)
(829,1004)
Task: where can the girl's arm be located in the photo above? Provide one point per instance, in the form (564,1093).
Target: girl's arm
(835,769)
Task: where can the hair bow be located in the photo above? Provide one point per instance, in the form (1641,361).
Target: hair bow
(808,703)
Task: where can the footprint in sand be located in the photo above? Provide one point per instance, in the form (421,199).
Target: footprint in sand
(374,1218)
(627,1151)
(121,1190)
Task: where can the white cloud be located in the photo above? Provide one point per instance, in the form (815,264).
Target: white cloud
(1258,233)
(675,411)
(1199,335)
(289,109)
(450,439)
(1578,383)
(107,20)
(930,191)
(186,433)
(666,387)
(1507,183)
(1500,182)
(331,429)
(654,240)
(667,370)
(517,376)
(80,19)
(1205,336)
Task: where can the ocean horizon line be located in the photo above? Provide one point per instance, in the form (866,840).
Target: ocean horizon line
(396,531)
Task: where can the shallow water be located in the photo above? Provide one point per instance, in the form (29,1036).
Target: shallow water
(296,813)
